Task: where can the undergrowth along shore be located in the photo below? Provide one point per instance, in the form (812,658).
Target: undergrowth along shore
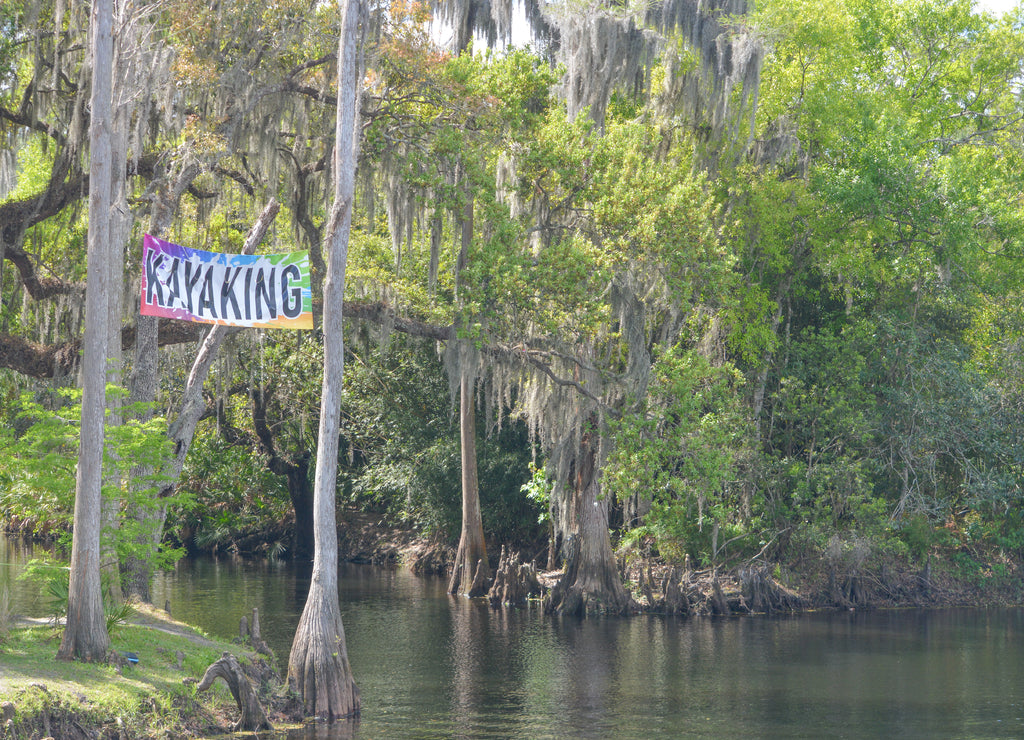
(841,577)
(153,698)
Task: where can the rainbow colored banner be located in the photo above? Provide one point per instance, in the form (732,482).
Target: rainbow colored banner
(263,291)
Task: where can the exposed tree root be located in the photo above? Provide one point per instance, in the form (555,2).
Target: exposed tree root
(514,581)
(589,586)
(763,594)
(249,632)
(253,718)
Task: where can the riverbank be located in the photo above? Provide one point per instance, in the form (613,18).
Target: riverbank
(50,701)
(148,690)
(429,665)
(845,576)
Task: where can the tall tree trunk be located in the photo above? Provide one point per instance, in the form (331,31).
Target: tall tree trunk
(85,635)
(591,582)
(120,226)
(318,668)
(138,570)
(471,571)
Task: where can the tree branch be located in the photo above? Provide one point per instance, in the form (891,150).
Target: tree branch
(43,361)
(17,217)
(381,313)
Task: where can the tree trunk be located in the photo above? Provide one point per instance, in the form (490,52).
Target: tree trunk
(190,409)
(85,635)
(472,553)
(591,581)
(119,228)
(301,495)
(470,571)
(318,669)
(296,473)
(514,581)
(436,232)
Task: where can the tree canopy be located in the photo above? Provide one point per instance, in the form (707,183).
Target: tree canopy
(744,282)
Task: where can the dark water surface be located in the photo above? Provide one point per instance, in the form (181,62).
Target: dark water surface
(430,666)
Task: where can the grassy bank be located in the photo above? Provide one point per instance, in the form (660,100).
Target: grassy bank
(153,698)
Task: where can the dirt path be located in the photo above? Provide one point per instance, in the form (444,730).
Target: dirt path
(144,615)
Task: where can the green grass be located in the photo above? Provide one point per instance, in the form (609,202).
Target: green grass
(152,698)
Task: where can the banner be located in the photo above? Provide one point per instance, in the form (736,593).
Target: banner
(265,290)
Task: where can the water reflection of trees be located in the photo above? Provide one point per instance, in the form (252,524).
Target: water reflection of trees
(434,666)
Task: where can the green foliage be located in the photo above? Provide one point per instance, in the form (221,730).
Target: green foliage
(957,444)
(681,453)
(40,463)
(538,490)
(229,492)
(820,433)
(34,165)
(518,84)
(884,430)
(401,437)
(403,457)
(116,615)
(1006,530)
(503,464)
(41,448)
(892,241)
(921,535)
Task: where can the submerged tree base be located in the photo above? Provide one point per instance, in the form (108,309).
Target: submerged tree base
(318,669)
(883,581)
(589,586)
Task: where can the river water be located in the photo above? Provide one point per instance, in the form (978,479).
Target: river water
(432,666)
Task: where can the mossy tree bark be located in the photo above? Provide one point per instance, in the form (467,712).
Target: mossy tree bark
(471,571)
(591,581)
(85,635)
(318,668)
